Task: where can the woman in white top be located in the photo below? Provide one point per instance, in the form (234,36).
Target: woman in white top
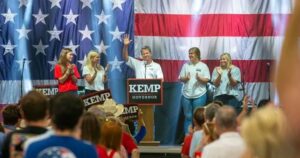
(194,75)
(94,74)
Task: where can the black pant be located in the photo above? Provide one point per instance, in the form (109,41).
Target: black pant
(230,100)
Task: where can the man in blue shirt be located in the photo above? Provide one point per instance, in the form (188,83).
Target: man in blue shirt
(66,112)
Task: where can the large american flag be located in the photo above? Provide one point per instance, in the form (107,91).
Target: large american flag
(250,30)
(34,31)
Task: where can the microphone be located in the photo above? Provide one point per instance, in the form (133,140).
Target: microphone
(22,73)
(268,64)
(145,63)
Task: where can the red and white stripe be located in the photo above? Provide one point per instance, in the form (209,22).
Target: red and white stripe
(251,31)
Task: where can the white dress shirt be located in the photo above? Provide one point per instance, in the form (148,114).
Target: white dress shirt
(143,70)
(229,145)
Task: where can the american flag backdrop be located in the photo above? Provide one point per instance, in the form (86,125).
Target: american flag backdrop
(34,31)
(250,30)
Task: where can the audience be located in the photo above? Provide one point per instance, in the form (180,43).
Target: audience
(230,143)
(209,133)
(244,111)
(198,121)
(138,136)
(91,131)
(185,150)
(90,128)
(67,110)
(210,111)
(111,137)
(264,131)
(112,109)
(264,134)
(11,118)
(34,110)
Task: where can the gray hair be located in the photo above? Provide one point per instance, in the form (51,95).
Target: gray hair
(226,118)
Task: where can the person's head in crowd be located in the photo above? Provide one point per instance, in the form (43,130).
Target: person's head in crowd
(90,128)
(210,111)
(264,133)
(209,132)
(66,110)
(11,116)
(111,134)
(198,117)
(225,120)
(263,103)
(220,103)
(98,112)
(34,107)
(111,108)
(225,61)
(93,60)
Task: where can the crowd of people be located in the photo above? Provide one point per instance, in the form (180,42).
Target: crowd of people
(61,126)
(45,127)
(217,131)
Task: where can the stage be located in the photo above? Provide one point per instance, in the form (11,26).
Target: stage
(160,151)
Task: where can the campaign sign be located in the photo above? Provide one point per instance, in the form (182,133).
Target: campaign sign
(96,98)
(47,90)
(145,91)
(130,112)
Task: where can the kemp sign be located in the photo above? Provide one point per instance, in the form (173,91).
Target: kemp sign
(96,98)
(144,91)
(47,90)
(130,112)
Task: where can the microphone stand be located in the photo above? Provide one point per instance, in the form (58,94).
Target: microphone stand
(243,84)
(22,74)
(145,70)
(269,83)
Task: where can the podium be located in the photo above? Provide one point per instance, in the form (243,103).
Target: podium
(147,93)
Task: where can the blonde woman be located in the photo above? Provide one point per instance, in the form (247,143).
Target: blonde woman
(226,78)
(94,74)
(66,73)
(264,133)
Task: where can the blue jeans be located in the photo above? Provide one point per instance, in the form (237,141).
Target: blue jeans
(189,106)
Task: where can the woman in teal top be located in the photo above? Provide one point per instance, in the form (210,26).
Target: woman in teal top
(226,79)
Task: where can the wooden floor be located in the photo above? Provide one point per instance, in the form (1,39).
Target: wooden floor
(160,151)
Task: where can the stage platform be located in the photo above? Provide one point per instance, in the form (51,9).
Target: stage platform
(160,151)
